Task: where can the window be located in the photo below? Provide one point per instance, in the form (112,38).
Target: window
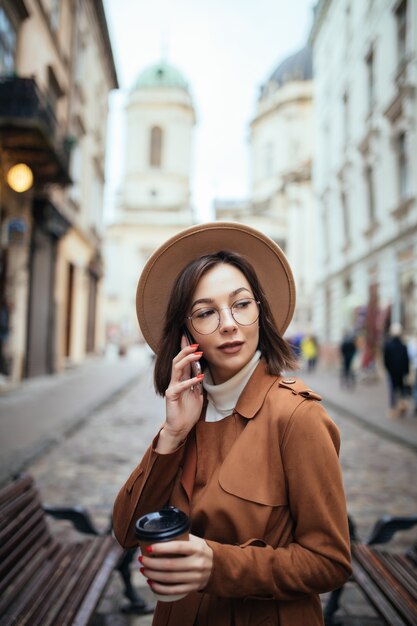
(76,175)
(7,43)
(96,199)
(408,301)
(325,231)
(155,155)
(328,312)
(346,117)
(347,285)
(370,70)
(348,28)
(401,19)
(403,174)
(345,217)
(369,176)
(54,89)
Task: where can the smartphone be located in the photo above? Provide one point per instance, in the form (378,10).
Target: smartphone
(195,365)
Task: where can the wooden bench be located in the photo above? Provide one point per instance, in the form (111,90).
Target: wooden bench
(47,582)
(388,579)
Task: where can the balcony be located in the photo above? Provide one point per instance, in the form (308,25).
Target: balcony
(29,131)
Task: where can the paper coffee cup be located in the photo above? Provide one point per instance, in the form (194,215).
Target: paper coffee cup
(168,524)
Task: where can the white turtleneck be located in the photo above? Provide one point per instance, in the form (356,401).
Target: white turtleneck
(222,399)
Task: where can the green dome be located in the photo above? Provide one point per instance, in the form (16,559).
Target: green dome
(160,75)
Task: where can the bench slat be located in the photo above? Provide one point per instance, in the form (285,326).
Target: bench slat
(62,583)
(387,583)
(85,577)
(385,578)
(375,597)
(88,580)
(25,602)
(403,569)
(69,585)
(16,517)
(18,548)
(44,582)
(11,491)
(18,577)
(12,509)
(96,590)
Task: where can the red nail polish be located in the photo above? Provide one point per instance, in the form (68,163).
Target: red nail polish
(194,346)
(149,549)
(150,582)
(142,569)
(140,559)
(200,376)
(198,353)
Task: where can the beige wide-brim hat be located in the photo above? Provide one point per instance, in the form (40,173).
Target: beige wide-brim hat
(162,268)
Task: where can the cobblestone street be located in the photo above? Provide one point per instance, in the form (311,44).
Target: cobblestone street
(90,465)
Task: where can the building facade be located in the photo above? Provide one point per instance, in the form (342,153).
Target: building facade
(281,151)
(365,168)
(56,69)
(154,201)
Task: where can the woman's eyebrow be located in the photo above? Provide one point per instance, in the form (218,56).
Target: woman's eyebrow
(202,301)
(210,300)
(236,291)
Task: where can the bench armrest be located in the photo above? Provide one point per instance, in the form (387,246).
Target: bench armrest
(79,517)
(386,527)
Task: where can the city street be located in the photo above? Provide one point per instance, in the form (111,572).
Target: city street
(89,465)
(142,147)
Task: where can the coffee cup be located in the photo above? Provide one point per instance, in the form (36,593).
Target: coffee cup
(168,524)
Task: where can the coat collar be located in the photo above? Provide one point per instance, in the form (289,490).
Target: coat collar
(253,395)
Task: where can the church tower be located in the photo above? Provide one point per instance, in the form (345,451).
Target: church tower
(154,200)
(160,119)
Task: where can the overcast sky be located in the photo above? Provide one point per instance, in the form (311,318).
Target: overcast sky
(226,49)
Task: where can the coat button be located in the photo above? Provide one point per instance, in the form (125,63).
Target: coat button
(289,381)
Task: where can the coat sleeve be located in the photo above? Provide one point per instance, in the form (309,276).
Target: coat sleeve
(318,557)
(148,489)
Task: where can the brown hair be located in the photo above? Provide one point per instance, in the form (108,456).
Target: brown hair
(275,350)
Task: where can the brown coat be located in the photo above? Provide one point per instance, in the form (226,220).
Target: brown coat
(274,511)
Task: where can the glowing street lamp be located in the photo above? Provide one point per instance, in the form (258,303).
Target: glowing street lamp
(20,177)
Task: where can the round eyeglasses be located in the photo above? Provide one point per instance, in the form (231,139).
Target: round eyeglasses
(207,320)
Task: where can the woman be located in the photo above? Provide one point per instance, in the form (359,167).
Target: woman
(253,459)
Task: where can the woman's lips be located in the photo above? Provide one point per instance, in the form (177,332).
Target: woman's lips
(231,348)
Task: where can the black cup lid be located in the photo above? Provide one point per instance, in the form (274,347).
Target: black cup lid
(162,525)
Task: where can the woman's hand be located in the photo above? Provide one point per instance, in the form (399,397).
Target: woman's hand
(188,571)
(183,399)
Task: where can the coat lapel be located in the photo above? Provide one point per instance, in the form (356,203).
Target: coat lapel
(253,395)
(248,404)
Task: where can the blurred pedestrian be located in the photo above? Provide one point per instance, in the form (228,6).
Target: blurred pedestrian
(309,351)
(295,343)
(397,364)
(4,336)
(347,351)
(251,456)
(412,353)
